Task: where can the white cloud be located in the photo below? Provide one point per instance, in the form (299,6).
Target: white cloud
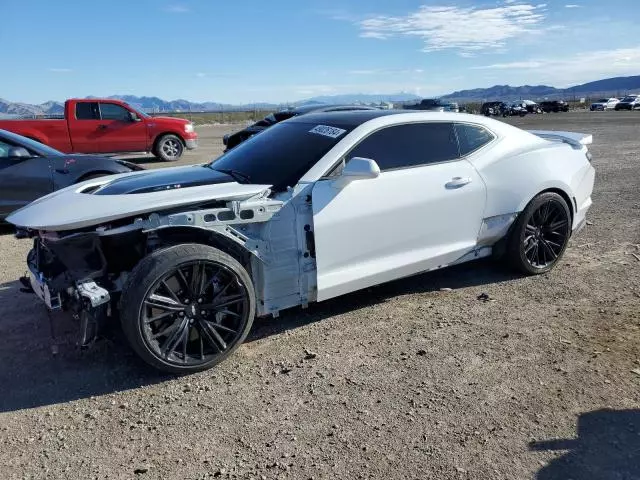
(60,70)
(177,9)
(469,29)
(572,5)
(201,75)
(572,69)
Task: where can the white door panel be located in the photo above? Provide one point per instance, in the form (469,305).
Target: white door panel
(403,222)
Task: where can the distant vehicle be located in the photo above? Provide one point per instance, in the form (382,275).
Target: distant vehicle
(630,102)
(429,105)
(108,126)
(531,106)
(604,104)
(452,107)
(29,170)
(490,109)
(516,109)
(234,139)
(554,106)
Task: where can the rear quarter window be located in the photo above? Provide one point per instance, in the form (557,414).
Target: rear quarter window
(472,137)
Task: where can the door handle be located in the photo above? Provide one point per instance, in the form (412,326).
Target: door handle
(457,182)
(102,127)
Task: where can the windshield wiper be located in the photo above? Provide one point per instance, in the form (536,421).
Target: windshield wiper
(237,176)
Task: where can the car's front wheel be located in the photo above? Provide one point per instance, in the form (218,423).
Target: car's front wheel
(540,235)
(186,308)
(169,148)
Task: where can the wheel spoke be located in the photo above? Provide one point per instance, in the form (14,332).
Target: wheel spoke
(166,331)
(162,316)
(163,303)
(548,248)
(220,327)
(172,342)
(183,280)
(224,302)
(528,249)
(171,292)
(212,336)
(552,227)
(197,279)
(185,341)
(530,229)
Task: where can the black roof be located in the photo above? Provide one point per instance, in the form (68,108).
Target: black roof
(348,119)
(323,107)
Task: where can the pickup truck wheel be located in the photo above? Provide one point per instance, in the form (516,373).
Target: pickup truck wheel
(186,308)
(169,148)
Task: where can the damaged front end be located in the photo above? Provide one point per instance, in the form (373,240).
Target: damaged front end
(71,273)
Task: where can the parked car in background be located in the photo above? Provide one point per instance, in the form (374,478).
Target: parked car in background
(531,106)
(494,109)
(29,170)
(518,109)
(234,139)
(108,126)
(452,107)
(312,208)
(554,106)
(630,102)
(604,104)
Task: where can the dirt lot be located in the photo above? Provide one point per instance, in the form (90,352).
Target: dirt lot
(407,381)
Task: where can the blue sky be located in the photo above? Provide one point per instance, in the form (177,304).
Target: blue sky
(287,50)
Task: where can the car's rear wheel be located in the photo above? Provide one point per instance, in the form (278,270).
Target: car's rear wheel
(187,308)
(169,148)
(540,235)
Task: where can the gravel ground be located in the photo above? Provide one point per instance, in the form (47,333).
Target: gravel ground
(405,381)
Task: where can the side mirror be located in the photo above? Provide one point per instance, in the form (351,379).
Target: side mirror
(18,152)
(357,168)
(133,116)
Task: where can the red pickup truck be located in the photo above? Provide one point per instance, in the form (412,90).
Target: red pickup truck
(108,126)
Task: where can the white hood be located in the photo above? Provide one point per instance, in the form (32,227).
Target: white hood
(70,208)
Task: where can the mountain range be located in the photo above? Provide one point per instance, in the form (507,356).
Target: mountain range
(605,87)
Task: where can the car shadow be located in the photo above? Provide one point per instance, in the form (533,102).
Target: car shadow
(607,447)
(481,272)
(40,364)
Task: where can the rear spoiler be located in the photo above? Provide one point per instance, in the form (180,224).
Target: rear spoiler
(576,140)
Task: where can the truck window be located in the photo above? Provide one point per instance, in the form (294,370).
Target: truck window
(87,111)
(111,111)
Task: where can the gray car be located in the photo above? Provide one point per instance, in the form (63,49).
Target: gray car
(29,170)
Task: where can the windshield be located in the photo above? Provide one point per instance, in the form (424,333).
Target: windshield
(280,155)
(629,99)
(39,148)
(139,112)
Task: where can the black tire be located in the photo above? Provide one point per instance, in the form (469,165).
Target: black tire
(540,235)
(205,338)
(169,148)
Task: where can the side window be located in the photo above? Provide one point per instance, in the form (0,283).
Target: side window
(87,111)
(409,145)
(111,111)
(472,137)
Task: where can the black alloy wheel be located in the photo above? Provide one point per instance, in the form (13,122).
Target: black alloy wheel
(540,235)
(197,307)
(546,234)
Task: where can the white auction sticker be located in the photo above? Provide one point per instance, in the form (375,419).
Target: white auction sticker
(327,131)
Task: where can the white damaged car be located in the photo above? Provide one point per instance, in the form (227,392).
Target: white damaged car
(315,207)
